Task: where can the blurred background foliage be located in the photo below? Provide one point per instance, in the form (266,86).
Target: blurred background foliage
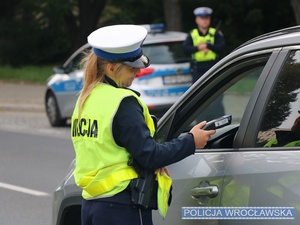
(46,32)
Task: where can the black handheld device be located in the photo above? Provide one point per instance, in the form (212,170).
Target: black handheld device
(218,123)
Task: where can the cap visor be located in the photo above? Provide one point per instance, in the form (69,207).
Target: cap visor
(141,62)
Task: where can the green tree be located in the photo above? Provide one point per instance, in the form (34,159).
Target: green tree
(43,31)
(29,34)
(173,14)
(296,8)
(48,31)
(81,18)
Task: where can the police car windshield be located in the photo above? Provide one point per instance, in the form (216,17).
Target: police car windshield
(165,53)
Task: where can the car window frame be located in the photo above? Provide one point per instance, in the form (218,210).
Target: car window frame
(257,105)
(262,102)
(174,119)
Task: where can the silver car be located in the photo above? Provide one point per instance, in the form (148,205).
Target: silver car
(253,163)
(160,85)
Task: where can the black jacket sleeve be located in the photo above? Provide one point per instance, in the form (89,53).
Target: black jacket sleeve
(131,132)
(219,45)
(188,46)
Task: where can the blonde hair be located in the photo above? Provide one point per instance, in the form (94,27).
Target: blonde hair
(94,73)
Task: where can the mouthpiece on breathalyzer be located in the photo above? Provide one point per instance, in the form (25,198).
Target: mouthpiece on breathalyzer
(218,123)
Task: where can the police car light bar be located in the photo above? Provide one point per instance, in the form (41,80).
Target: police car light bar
(154,28)
(145,72)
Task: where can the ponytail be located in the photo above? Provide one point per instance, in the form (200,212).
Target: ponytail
(93,73)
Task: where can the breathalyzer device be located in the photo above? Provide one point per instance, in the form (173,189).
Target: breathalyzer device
(218,123)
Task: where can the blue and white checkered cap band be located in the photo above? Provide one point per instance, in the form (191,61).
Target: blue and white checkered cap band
(120,43)
(118,57)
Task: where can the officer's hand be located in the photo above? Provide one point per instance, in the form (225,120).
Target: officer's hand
(202,47)
(162,171)
(201,137)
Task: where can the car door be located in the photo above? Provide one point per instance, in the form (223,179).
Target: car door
(267,166)
(230,87)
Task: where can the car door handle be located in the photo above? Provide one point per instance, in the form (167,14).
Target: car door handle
(205,189)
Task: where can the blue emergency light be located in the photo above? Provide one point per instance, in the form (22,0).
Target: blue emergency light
(154,28)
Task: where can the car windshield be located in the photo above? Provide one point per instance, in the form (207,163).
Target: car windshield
(166,53)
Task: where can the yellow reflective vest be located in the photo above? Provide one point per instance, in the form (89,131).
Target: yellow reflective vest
(101,165)
(200,56)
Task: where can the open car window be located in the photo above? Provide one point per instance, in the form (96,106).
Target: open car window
(227,93)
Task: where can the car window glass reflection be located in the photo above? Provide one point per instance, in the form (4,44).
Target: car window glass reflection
(281,122)
(165,53)
(234,100)
(75,63)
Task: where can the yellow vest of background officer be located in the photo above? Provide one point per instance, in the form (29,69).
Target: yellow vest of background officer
(200,56)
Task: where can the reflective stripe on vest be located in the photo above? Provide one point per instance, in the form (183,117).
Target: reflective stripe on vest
(101,165)
(200,56)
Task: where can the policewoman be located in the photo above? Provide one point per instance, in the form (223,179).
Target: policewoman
(204,44)
(111,124)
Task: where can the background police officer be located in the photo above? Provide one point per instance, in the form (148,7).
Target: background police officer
(204,43)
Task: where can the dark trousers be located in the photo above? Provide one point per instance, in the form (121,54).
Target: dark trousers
(199,68)
(96,212)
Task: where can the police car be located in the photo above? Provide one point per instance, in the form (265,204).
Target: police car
(160,85)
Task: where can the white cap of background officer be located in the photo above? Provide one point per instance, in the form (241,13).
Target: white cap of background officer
(203,11)
(120,43)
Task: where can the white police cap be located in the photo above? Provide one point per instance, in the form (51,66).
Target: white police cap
(120,43)
(203,11)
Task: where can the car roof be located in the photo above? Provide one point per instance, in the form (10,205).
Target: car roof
(152,38)
(280,38)
(167,36)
